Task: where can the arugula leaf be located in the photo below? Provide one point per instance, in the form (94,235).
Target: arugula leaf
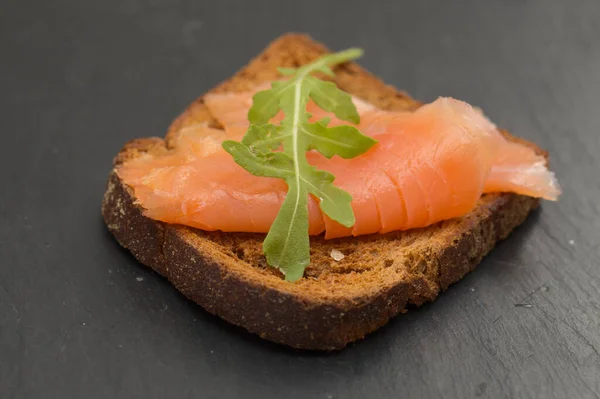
(287,245)
(328,97)
(345,141)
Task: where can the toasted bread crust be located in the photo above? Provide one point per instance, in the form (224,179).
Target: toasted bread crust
(336,303)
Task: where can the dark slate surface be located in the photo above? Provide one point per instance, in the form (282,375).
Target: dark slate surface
(79,318)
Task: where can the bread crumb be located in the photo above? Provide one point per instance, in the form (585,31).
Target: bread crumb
(336,255)
(139,278)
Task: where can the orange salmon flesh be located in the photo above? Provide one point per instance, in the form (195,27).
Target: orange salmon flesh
(429,165)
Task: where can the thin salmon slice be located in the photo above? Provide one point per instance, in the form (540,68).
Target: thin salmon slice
(429,165)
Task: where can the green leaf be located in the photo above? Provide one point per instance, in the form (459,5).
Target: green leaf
(327,96)
(344,141)
(286,71)
(287,244)
(265,104)
(339,57)
(335,202)
(324,121)
(263,138)
(327,71)
(270,165)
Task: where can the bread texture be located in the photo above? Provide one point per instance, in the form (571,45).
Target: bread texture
(336,302)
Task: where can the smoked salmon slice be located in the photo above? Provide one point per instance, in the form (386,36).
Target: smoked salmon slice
(429,165)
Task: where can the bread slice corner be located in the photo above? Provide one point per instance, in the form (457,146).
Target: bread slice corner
(336,302)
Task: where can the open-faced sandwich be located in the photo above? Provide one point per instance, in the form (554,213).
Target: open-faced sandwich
(308,202)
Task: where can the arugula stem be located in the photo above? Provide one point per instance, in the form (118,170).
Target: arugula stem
(287,245)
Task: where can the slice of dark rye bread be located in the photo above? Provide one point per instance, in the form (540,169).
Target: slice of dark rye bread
(336,302)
